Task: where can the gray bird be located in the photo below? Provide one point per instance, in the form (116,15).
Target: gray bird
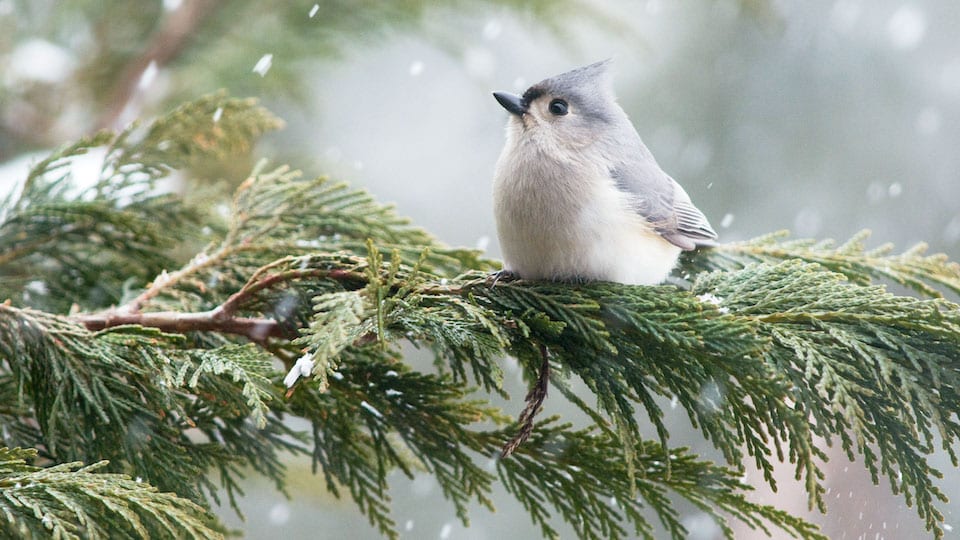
(578,196)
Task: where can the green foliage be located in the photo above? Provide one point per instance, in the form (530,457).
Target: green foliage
(377,416)
(85,241)
(879,371)
(134,396)
(72,501)
(774,344)
(572,471)
(912,268)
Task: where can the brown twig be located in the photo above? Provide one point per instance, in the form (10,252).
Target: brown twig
(534,400)
(256,284)
(254,329)
(221,319)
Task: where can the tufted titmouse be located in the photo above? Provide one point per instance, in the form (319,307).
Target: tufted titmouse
(578,196)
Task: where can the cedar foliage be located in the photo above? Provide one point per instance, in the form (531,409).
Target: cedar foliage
(117,354)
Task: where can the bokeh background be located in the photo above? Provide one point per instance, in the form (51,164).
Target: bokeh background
(822,117)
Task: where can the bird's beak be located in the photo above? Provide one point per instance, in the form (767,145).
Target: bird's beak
(512,103)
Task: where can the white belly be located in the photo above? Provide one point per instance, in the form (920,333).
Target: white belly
(592,234)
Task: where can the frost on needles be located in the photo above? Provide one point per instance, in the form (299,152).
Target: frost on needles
(145,339)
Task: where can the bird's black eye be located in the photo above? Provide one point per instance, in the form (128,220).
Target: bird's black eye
(558,107)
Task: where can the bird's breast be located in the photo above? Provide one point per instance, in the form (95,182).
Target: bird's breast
(559,219)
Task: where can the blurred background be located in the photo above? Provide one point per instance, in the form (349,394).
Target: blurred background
(822,117)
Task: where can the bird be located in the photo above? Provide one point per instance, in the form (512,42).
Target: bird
(577,194)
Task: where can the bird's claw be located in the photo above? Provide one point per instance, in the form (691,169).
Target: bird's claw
(505,275)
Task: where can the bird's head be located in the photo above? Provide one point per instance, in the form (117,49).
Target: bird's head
(570,110)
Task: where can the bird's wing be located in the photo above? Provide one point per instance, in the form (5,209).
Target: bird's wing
(663,203)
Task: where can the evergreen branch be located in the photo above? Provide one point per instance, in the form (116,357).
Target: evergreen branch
(597,331)
(212,127)
(442,316)
(862,361)
(133,399)
(377,415)
(57,238)
(278,214)
(626,343)
(912,269)
(260,282)
(71,501)
(572,472)
(246,365)
(223,319)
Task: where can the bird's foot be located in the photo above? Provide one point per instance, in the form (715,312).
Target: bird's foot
(501,275)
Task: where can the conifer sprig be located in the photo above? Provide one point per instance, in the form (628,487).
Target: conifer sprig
(863,362)
(73,501)
(928,275)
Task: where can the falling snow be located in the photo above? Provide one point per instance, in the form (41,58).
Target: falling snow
(371,409)
(483,242)
(314,10)
(479,62)
(38,60)
(807,222)
(37,287)
(279,514)
(286,305)
(727,221)
(951,233)
(263,65)
(148,76)
(876,192)
(711,396)
(492,30)
(907,27)
(710,298)
(416,68)
(701,527)
(303,368)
